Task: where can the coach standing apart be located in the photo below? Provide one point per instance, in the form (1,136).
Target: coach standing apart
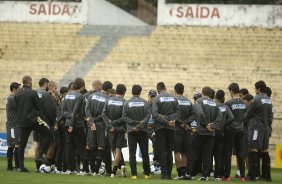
(165,110)
(28,107)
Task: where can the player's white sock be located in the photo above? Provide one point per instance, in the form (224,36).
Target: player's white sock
(238,172)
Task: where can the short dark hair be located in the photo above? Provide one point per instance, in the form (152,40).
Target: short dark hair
(220,95)
(63,90)
(179,88)
(78,83)
(136,89)
(244,91)
(121,89)
(212,94)
(160,86)
(107,85)
(152,93)
(84,91)
(207,91)
(197,96)
(268,91)
(14,85)
(260,85)
(234,87)
(26,79)
(42,81)
(248,97)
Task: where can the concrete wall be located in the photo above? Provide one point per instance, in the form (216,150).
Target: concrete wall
(101,12)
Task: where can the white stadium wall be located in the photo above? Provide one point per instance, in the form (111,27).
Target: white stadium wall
(93,12)
(35,11)
(219,15)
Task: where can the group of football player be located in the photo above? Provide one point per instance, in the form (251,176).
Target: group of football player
(76,131)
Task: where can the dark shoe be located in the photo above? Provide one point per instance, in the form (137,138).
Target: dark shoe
(166,177)
(10,168)
(265,179)
(248,178)
(24,170)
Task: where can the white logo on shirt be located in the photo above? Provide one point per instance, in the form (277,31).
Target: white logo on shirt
(70,97)
(39,95)
(136,104)
(166,99)
(98,98)
(194,124)
(222,109)
(115,103)
(209,103)
(265,101)
(184,103)
(238,106)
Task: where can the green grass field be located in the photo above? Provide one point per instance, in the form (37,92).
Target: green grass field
(7,177)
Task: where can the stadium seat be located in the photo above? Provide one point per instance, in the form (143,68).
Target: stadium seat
(39,50)
(196,57)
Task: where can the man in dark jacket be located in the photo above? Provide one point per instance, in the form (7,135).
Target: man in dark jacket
(227,117)
(165,110)
(96,139)
(207,116)
(13,130)
(60,137)
(75,133)
(234,133)
(28,110)
(136,114)
(115,125)
(260,114)
(48,114)
(90,153)
(182,131)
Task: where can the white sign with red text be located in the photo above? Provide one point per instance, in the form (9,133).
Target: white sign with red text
(219,15)
(34,11)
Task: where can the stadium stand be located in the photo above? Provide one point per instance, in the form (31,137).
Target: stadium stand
(195,56)
(39,50)
(198,56)
(177,54)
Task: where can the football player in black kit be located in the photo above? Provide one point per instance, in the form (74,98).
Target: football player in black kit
(182,131)
(165,110)
(234,133)
(13,130)
(260,115)
(28,117)
(208,116)
(136,114)
(115,125)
